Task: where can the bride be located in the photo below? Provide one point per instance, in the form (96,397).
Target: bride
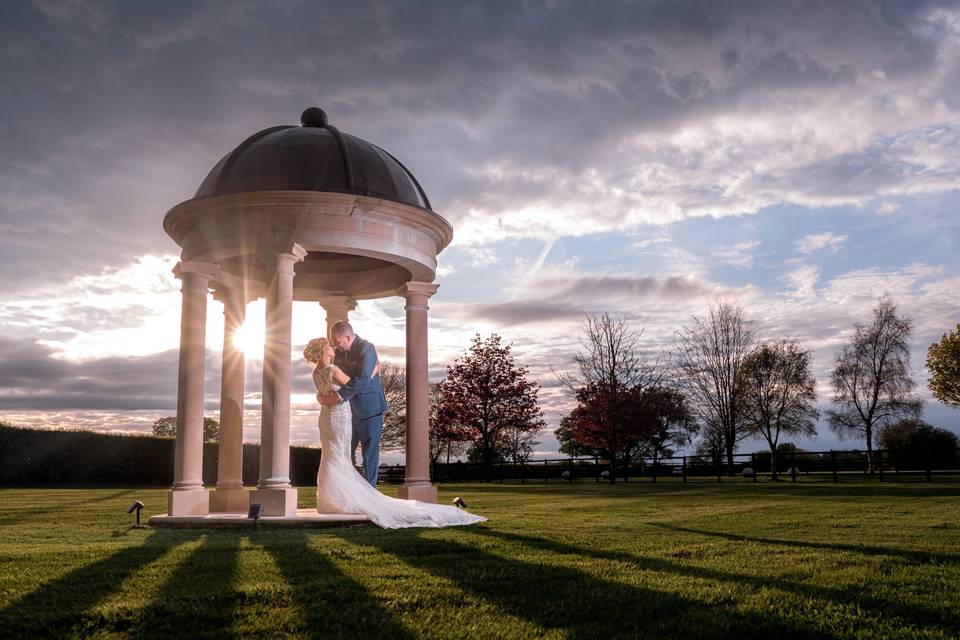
(340,489)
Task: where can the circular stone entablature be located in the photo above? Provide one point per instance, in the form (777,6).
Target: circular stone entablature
(360,215)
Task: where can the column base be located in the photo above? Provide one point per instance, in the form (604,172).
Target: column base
(229,501)
(188,502)
(276,502)
(422,492)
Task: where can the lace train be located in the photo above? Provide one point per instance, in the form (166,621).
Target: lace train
(340,489)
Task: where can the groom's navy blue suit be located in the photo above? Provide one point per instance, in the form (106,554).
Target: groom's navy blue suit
(367,403)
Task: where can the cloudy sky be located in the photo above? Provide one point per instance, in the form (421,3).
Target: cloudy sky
(639,158)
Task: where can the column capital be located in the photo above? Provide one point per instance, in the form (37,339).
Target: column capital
(414,289)
(337,302)
(282,257)
(186,268)
(231,295)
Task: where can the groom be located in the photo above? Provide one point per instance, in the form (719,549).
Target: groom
(357,358)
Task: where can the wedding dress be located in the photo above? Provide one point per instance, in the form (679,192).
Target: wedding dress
(340,489)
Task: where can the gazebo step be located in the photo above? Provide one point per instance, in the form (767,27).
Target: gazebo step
(305,519)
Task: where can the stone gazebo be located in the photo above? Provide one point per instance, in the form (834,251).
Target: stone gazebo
(294,213)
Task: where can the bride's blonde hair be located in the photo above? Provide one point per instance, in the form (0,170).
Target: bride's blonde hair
(314,350)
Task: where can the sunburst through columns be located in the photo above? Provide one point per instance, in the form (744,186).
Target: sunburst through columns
(274,491)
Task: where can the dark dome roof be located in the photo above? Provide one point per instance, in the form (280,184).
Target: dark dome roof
(312,157)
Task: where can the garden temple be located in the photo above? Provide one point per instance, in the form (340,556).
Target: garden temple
(303,213)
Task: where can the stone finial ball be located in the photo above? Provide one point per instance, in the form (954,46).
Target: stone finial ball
(314,117)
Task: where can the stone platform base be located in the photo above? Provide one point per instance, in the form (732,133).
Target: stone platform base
(305,519)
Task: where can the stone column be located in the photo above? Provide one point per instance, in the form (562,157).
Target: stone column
(187,496)
(417,485)
(337,309)
(229,496)
(273,489)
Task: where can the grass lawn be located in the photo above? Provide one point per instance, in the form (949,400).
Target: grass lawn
(701,560)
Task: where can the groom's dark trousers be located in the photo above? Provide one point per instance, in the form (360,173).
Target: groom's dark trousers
(367,403)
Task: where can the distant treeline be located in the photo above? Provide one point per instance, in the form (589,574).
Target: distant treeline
(38,457)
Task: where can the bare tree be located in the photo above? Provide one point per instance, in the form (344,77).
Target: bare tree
(611,372)
(443,441)
(518,445)
(393,379)
(872,382)
(779,393)
(610,355)
(709,357)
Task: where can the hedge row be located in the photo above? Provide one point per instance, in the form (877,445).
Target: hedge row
(40,457)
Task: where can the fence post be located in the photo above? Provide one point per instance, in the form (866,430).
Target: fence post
(653,470)
(833,463)
(929,469)
(684,468)
(523,472)
(546,470)
(793,466)
(719,469)
(570,468)
(753,465)
(596,468)
(880,463)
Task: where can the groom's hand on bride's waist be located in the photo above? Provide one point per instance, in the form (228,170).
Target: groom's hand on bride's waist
(328,399)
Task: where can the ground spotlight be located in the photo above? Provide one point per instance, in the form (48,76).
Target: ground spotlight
(460,502)
(255,511)
(136,506)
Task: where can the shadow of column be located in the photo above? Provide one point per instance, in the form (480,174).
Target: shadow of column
(911,613)
(198,599)
(924,557)
(62,604)
(329,602)
(574,602)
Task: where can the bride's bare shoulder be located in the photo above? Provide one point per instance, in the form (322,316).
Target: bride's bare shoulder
(337,375)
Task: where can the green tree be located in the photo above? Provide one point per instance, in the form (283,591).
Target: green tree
(943,362)
(779,393)
(167,428)
(569,444)
(914,444)
(669,421)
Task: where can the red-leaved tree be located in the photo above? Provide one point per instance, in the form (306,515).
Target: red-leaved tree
(605,418)
(485,395)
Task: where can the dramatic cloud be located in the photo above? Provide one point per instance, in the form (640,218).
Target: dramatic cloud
(638,158)
(520,118)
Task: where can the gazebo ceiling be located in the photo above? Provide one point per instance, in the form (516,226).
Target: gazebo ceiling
(360,215)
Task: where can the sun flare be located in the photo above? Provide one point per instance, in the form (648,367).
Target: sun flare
(249,338)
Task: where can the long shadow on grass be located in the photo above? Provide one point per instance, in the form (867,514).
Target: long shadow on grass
(918,615)
(198,596)
(57,606)
(573,601)
(906,554)
(330,603)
